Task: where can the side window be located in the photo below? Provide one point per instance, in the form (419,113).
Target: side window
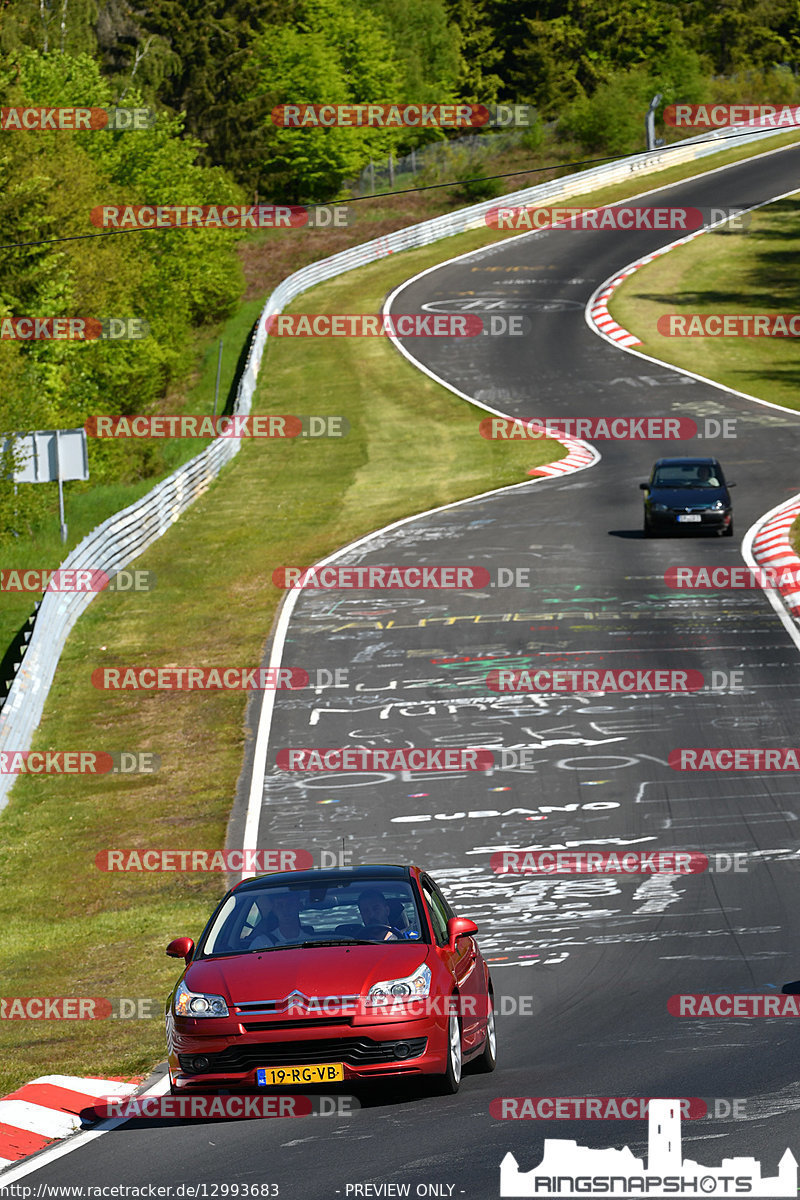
(250,922)
(442,902)
(437,911)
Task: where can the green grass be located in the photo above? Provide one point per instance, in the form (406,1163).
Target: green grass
(753,271)
(67,928)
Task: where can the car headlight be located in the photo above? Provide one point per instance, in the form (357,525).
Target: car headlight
(409,988)
(718,505)
(659,507)
(198,1004)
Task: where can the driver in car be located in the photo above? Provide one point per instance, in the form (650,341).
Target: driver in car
(705,477)
(286,906)
(374,909)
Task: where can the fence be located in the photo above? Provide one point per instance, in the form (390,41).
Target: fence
(125,535)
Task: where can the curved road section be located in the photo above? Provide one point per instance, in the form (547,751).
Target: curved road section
(583,965)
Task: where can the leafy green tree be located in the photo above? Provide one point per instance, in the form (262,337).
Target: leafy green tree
(173,279)
(478,52)
(337,54)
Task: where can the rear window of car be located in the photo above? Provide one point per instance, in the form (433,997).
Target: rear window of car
(263,917)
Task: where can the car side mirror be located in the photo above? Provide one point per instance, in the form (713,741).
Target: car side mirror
(730,485)
(644,487)
(182,947)
(459,927)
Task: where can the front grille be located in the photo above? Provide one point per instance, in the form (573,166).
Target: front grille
(295,1003)
(304,1023)
(357,1052)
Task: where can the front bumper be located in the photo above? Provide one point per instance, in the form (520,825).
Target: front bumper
(710,519)
(367,1051)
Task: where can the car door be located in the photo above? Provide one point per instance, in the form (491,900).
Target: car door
(465,964)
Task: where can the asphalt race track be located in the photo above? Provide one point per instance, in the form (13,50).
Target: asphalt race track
(583,966)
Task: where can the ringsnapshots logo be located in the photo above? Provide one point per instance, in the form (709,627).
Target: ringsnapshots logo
(43,120)
(397,325)
(569,1170)
(717,116)
(612,218)
(221,216)
(402,116)
(623,429)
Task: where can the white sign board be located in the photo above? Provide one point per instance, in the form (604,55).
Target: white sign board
(48,455)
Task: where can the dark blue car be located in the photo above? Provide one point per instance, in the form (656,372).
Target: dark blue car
(687,493)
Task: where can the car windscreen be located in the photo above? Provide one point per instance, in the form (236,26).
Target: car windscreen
(271,916)
(693,475)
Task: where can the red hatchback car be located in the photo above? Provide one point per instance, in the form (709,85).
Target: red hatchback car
(324,976)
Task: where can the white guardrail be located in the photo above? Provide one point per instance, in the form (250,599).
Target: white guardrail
(125,535)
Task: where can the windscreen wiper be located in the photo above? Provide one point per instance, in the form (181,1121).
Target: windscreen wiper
(343,942)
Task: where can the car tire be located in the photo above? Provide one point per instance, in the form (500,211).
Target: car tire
(729,531)
(647,528)
(449,1083)
(487,1059)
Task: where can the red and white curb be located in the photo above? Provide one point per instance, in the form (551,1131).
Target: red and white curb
(597,313)
(771,548)
(579,455)
(47,1109)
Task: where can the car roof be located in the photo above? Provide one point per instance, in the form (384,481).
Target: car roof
(329,875)
(671,462)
